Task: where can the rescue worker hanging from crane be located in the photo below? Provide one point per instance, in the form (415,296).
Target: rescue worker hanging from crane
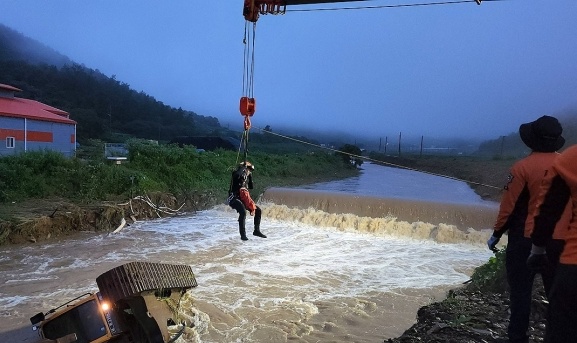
(240,199)
(241,179)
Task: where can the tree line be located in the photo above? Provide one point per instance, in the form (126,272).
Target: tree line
(103,107)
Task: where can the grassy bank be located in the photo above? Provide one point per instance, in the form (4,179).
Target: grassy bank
(84,193)
(152,168)
(45,184)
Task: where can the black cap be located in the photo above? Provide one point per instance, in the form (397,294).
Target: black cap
(543,134)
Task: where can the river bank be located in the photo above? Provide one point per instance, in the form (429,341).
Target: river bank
(470,315)
(38,220)
(467,315)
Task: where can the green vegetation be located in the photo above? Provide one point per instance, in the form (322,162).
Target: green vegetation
(349,152)
(154,168)
(491,276)
(270,142)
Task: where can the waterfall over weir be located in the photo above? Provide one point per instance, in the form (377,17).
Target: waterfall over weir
(443,222)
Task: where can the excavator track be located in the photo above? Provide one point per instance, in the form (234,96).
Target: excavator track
(136,277)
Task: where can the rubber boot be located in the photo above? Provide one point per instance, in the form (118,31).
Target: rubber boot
(242,230)
(257,232)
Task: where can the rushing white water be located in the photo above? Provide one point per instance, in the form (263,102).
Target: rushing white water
(305,282)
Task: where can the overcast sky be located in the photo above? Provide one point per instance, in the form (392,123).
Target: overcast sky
(459,70)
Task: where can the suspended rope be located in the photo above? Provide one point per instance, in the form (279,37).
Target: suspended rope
(248,68)
(247,101)
(378,161)
(247,106)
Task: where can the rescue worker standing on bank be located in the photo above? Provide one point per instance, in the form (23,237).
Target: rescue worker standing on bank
(562,311)
(516,215)
(239,199)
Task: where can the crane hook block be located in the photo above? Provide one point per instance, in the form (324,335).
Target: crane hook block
(250,11)
(247,106)
(252,8)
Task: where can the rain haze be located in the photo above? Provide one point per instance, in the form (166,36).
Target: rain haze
(455,70)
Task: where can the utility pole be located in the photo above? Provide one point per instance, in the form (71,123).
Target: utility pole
(421,153)
(386,143)
(399,144)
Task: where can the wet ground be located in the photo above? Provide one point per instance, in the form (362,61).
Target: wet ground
(472,316)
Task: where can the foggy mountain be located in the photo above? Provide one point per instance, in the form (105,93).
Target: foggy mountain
(106,108)
(511,145)
(16,47)
(103,107)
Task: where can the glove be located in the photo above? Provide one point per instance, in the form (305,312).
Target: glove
(538,261)
(492,242)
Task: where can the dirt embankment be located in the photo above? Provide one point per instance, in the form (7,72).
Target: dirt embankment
(39,220)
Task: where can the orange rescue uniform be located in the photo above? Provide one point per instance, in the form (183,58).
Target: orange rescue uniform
(561,187)
(518,208)
(549,221)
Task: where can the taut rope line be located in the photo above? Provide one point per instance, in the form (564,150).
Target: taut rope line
(378,161)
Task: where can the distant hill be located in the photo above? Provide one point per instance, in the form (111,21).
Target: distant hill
(511,145)
(103,107)
(16,47)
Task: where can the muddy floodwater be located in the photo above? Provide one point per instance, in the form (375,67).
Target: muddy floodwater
(318,277)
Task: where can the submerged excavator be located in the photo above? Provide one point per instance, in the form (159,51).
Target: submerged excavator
(136,303)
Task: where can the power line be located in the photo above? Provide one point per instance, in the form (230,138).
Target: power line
(390,6)
(377,161)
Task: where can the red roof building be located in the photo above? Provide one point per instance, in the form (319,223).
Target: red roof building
(31,125)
